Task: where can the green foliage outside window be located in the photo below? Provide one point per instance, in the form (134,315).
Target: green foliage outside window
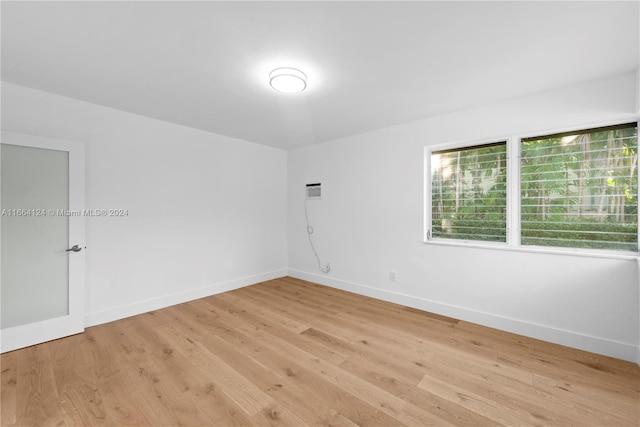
(581,190)
(469,193)
(577,190)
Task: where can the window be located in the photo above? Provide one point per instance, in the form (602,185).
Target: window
(580,189)
(576,190)
(469,193)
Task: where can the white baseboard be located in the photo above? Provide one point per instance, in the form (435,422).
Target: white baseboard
(121,312)
(572,339)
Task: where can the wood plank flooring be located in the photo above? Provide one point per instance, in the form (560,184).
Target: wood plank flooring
(293,353)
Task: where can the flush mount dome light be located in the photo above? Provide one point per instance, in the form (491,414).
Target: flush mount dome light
(288,80)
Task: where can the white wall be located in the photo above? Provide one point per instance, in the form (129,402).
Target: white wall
(638,91)
(370,222)
(206,212)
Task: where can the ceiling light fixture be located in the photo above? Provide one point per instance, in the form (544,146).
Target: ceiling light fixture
(288,80)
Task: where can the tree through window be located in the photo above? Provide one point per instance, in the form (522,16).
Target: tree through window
(577,190)
(468,193)
(580,189)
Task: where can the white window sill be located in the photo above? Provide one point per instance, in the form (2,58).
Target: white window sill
(589,253)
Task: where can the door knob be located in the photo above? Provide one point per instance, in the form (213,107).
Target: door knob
(75,248)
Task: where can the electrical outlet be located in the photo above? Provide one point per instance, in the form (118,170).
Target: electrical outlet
(392,276)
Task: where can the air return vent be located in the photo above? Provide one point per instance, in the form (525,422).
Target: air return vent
(314,191)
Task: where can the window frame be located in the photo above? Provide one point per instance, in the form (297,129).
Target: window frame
(427,238)
(513,184)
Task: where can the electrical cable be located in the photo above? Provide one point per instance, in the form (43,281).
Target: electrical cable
(310,231)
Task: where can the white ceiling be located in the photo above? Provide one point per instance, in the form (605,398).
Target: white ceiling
(369,64)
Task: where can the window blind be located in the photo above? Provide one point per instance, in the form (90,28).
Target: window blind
(468,193)
(580,189)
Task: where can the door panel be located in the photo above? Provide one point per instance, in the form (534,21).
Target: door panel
(34,242)
(41,199)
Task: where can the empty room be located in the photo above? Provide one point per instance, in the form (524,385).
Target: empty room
(331,213)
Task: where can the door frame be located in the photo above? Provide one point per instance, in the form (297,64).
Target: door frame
(46,330)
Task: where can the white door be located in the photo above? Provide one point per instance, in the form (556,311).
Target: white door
(42,251)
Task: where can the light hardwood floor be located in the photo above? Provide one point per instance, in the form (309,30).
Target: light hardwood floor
(289,352)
